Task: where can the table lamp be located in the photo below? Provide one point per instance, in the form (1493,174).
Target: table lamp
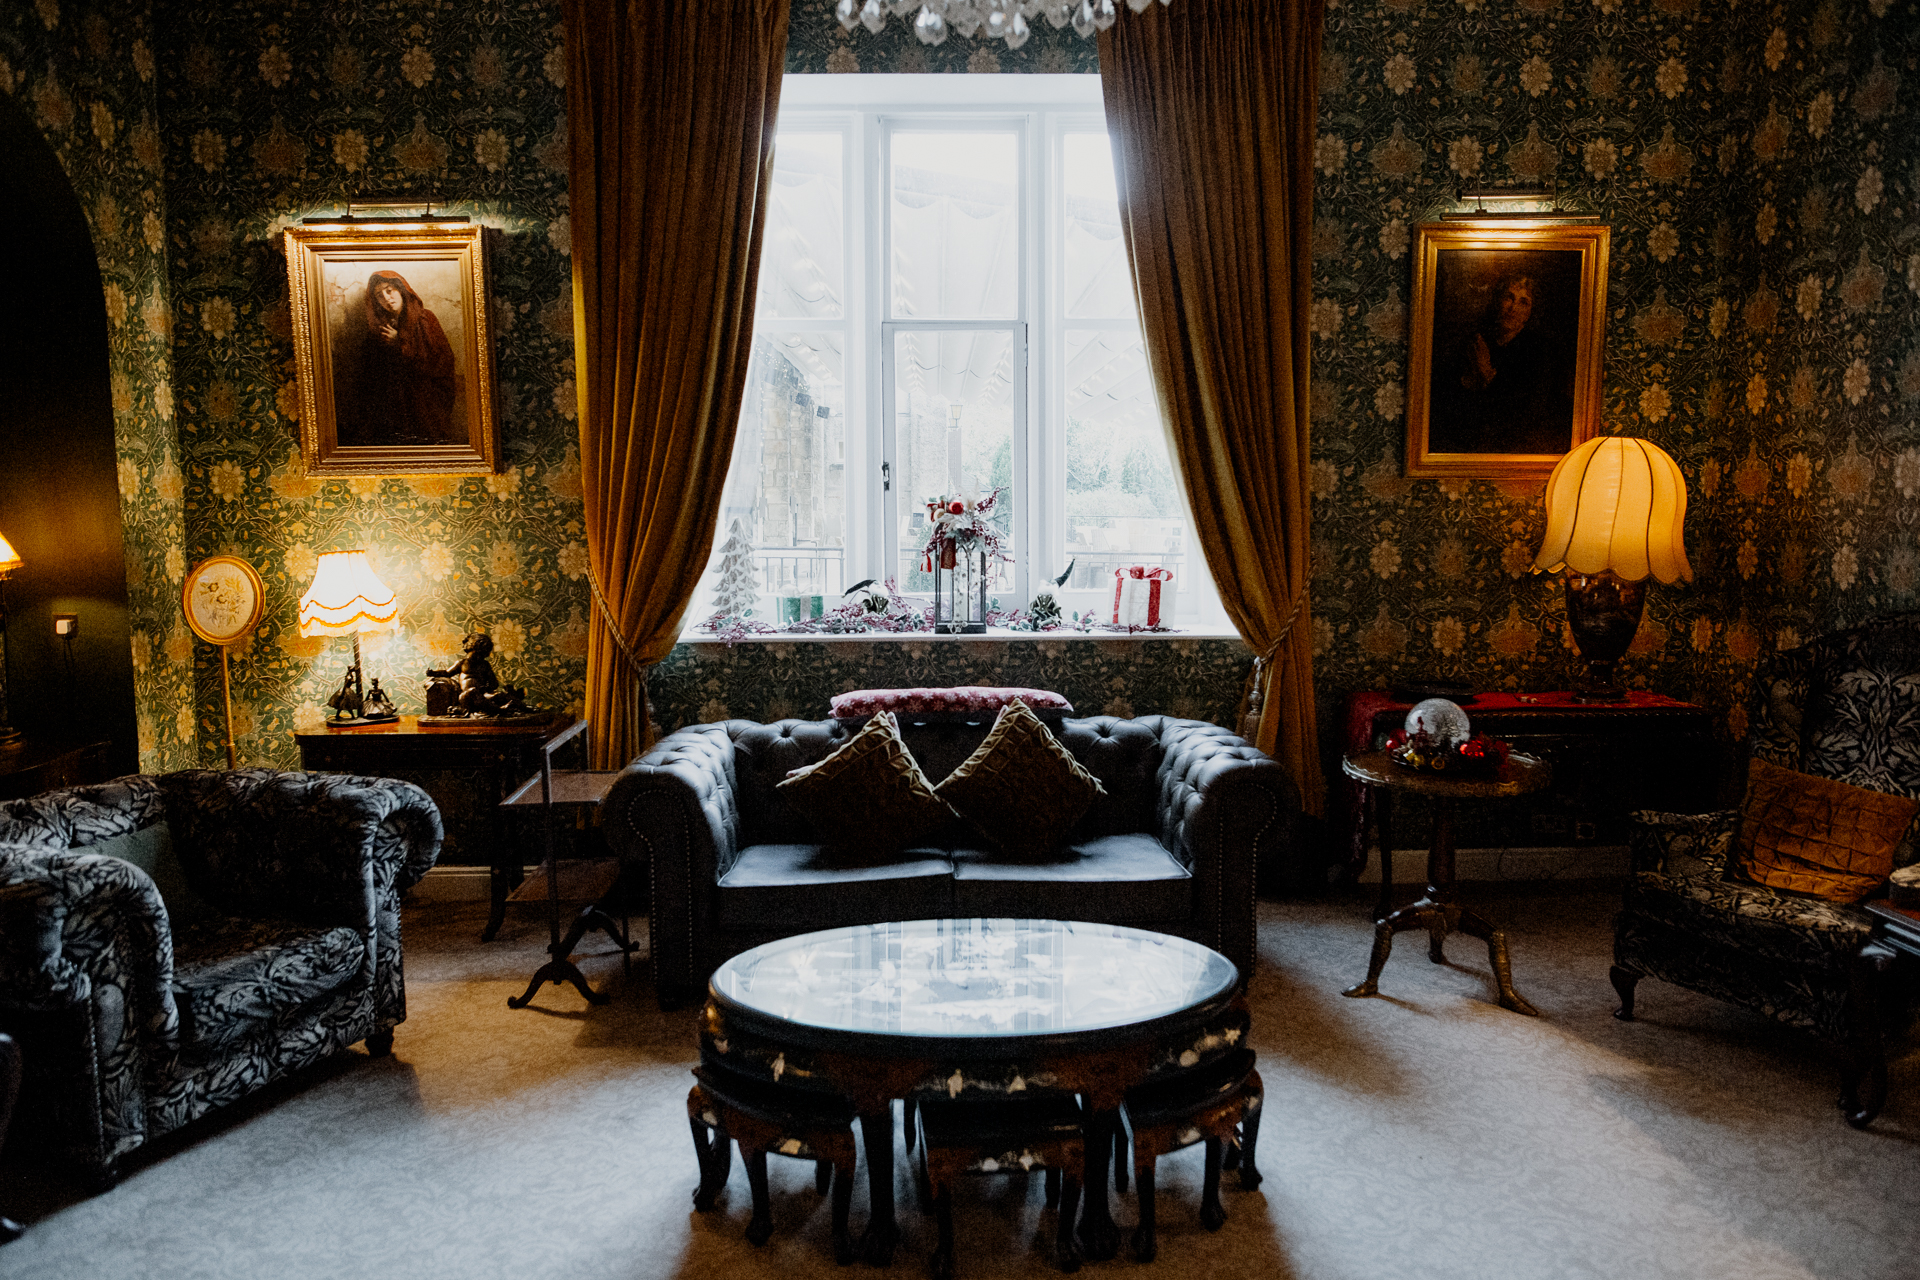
(1616,507)
(9,561)
(347,598)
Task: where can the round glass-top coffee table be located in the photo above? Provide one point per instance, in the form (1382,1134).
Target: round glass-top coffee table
(976,1009)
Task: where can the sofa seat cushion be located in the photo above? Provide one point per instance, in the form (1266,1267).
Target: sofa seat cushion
(797,887)
(1123,879)
(1811,932)
(233,977)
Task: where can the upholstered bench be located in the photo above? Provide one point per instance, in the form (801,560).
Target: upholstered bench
(1188,811)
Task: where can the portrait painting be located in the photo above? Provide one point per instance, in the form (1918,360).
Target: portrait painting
(1504,371)
(391,348)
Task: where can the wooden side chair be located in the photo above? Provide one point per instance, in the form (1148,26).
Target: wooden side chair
(1218,1104)
(725,1107)
(994,1136)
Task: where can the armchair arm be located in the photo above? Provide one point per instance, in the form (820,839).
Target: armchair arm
(1223,808)
(674,808)
(1692,844)
(300,845)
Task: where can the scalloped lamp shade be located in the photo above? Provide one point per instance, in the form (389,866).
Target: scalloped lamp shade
(1616,505)
(346,597)
(9,558)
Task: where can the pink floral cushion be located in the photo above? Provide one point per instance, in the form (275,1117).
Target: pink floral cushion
(967,701)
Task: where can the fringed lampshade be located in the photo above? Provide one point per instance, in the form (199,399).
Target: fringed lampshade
(1616,511)
(346,598)
(10,561)
(9,558)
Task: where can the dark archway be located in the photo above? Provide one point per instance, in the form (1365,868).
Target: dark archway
(59,493)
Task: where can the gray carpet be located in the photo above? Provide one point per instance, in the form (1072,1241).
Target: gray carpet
(1425,1134)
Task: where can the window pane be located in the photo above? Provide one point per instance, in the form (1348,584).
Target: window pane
(788,483)
(1098,283)
(802,268)
(1123,501)
(956,226)
(954,403)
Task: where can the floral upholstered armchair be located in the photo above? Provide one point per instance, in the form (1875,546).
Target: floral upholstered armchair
(170,944)
(1845,706)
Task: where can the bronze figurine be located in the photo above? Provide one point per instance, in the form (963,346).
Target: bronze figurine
(469,689)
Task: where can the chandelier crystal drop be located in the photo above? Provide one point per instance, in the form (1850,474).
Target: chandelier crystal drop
(1008,20)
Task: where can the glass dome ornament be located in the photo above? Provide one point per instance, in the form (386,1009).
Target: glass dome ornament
(1443,724)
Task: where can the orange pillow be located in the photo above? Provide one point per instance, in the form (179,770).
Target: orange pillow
(1818,836)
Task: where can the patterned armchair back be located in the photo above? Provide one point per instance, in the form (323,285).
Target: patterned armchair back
(1846,706)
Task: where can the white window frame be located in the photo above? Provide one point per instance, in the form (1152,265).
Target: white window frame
(867,110)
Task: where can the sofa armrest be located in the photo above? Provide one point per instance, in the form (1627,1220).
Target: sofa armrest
(675,810)
(1692,844)
(1223,808)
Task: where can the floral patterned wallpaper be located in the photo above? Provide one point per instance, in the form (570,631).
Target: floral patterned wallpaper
(86,74)
(281,111)
(1756,165)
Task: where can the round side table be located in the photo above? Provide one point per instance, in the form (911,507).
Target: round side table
(1436,911)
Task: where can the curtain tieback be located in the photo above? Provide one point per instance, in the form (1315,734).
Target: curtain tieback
(1252,694)
(613,624)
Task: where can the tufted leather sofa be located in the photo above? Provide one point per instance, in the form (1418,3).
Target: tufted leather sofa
(1190,811)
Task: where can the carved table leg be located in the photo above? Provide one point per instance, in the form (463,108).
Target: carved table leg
(760,1227)
(1099,1234)
(1249,1141)
(883,1231)
(1419,915)
(1624,981)
(1477,926)
(1066,1254)
(1380,800)
(843,1248)
(1213,1214)
(1146,1247)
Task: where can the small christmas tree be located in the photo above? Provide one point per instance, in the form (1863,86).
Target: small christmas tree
(737,591)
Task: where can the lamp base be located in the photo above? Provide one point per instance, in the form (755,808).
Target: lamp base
(1603,612)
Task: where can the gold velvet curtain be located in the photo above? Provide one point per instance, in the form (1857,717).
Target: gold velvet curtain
(1211,105)
(670,114)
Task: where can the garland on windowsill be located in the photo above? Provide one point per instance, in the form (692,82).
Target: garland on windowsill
(884,611)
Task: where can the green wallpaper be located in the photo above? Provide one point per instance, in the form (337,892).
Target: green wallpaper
(1756,163)
(276,112)
(1730,148)
(86,75)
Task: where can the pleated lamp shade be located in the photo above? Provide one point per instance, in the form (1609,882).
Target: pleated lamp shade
(346,597)
(9,558)
(1616,504)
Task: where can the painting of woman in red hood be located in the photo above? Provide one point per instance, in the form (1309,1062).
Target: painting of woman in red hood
(405,389)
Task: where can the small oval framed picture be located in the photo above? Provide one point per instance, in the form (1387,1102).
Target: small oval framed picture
(223,598)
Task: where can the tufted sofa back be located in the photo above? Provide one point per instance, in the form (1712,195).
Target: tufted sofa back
(1124,754)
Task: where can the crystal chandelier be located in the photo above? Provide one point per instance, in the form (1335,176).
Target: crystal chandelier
(994,19)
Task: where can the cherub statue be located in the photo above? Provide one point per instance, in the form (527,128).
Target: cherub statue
(469,687)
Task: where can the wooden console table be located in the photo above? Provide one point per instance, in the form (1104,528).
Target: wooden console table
(504,753)
(30,766)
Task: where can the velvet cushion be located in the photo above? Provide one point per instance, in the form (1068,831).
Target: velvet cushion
(1817,836)
(1021,789)
(869,794)
(962,702)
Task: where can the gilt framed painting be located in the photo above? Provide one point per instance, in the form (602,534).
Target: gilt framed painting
(392,348)
(1507,327)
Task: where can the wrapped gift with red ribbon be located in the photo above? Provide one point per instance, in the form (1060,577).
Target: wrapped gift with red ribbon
(1142,596)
